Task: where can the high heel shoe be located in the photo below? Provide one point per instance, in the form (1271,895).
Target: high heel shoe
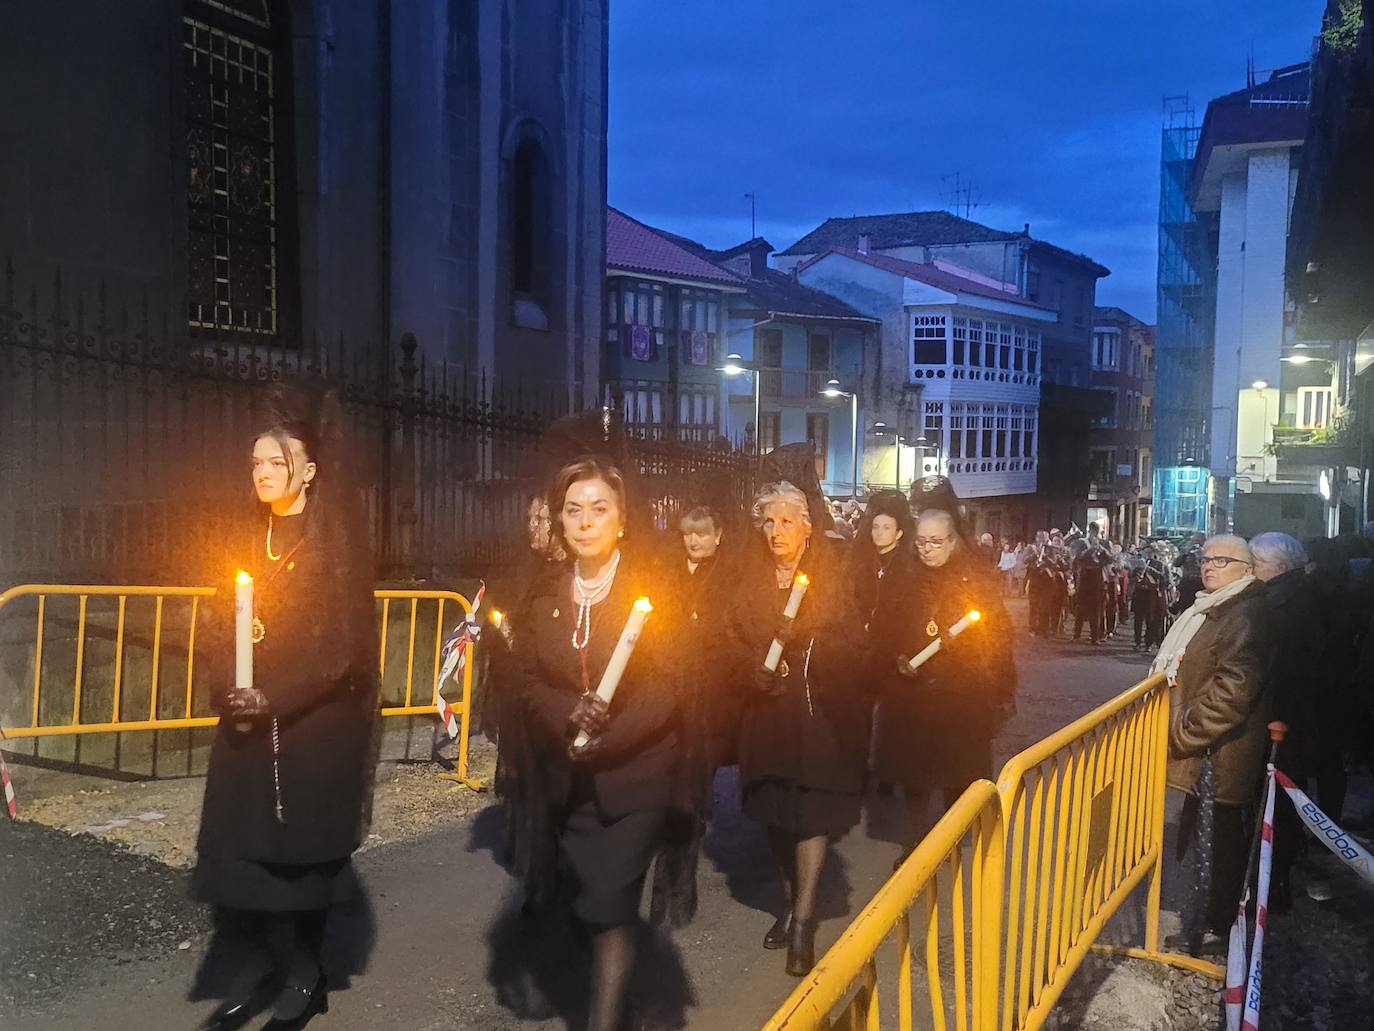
(801,948)
(236,1011)
(777,935)
(317,1001)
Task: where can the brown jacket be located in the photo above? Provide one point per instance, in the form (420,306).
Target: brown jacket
(1222,700)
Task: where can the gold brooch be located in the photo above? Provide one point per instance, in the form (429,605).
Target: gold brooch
(259,631)
(555,613)
(784,669)
(932,629)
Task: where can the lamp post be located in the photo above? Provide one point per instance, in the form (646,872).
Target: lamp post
(924,443)
(832,390)
(737,366)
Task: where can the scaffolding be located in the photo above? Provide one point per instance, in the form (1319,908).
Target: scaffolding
(1187,300)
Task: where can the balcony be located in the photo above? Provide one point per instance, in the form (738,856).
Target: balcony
(1300,451)
(794,385)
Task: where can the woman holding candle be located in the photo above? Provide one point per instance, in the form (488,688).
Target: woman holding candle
(936,723)
(609,801)
(289,785)
(885,560)
(803,739)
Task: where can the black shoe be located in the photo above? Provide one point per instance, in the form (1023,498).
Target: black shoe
(1207,943)
(777,935)
(236,1011)
(316,1001)
(801,948)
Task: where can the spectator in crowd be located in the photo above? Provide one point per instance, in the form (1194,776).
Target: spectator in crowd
(1298,684)
(1217,659)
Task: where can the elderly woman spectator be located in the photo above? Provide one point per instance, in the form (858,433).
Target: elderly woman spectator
(1217,659)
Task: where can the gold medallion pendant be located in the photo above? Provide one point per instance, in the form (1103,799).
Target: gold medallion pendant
(784,669)
(932,629)
(259,631)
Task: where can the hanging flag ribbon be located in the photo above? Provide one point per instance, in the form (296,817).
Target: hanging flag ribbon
(453,659)
(10,803)
(1325,830)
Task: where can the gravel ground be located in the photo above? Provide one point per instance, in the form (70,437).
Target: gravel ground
(159,819)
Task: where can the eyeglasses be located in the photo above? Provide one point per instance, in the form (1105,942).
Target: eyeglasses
(1221,561)
(932,542)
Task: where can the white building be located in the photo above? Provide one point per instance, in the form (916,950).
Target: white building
(956,380)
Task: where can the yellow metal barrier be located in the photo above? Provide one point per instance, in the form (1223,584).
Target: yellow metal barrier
(47,717)
(1084,815)
(957,868)
(1078,826)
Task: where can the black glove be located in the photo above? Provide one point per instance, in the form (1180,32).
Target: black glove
(767,683)
(590,715)
(904,667)
(785,630)
(247,701)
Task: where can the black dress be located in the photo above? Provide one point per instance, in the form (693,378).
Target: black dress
(802,752)
(607,815)
(936,731)
(317,665)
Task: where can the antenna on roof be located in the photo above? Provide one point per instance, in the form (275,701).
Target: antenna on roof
(960,197)
(1250,68)
(753,230)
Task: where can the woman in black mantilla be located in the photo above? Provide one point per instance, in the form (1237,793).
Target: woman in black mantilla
(611,802)
(803,739)
(288,794)
(936,724)
(884,560)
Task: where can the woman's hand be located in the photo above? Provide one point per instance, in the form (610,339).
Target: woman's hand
(785,631)
(904,668)
(767,683)
(247,701)
(590,715)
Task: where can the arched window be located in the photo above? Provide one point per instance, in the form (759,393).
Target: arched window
(529,225)
(235,56)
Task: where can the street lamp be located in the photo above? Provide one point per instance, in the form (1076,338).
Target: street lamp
(737,366)
(832,390)
(924,444)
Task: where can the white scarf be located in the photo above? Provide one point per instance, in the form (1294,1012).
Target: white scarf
(1188,624)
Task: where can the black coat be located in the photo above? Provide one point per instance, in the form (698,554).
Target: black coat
(815,733)
(1300,688)
(317,665)
(637,767)
(936,730)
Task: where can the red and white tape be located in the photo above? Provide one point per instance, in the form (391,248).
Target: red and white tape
(10,805)
(446,715)
(1346,848)
(455,657)
(1242,986)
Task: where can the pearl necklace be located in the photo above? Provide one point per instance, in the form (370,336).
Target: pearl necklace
(586,594)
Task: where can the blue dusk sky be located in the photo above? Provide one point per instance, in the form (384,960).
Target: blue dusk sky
(1052,111)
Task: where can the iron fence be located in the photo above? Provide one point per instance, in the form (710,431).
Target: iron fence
(123,455)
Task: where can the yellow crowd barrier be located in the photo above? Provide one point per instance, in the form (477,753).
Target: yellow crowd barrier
(957,870)
(160,640)
(1078,827)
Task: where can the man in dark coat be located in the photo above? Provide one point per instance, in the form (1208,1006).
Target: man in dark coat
(1089,588)
(1217,657)
(936,724)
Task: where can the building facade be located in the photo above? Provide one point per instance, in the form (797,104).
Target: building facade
(274,171)
(1185,312)
(1266,380)
(955,381)
(1120,442)
(1015,263)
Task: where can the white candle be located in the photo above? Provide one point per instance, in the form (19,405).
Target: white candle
(243,631)
(620,658)
(966,621)
(243,637)
(799,585)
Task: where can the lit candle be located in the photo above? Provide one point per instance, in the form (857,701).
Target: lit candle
(498,620)
(615,668)
(800,583)
(968,619)
(243,637)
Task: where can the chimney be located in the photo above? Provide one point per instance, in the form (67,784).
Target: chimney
(1026,231)
(863,243)
(758,257)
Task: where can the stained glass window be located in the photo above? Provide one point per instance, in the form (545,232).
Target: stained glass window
(231,188)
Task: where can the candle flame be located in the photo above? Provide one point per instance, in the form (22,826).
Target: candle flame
(802,579)
(497,616)
(243,577)
(974,615)
(642,604)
